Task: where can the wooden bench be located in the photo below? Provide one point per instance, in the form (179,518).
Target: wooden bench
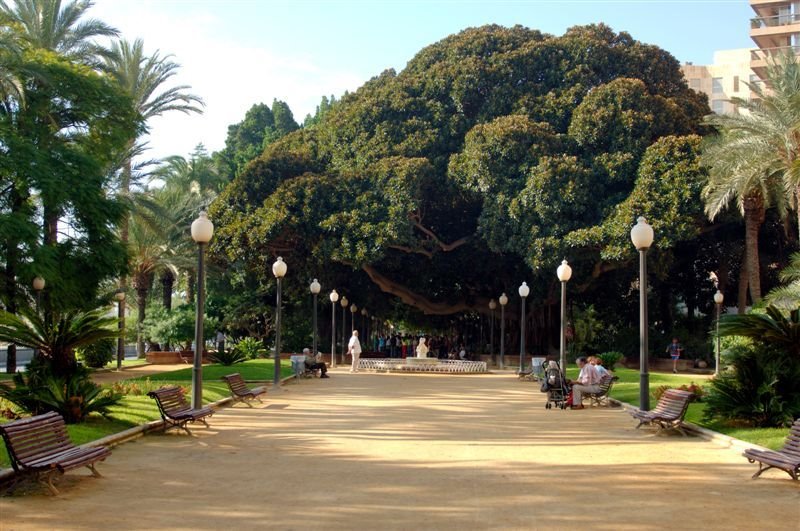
(600,398)
(40,446)
(175,411)
(786,459)
(239,390)
(669,412)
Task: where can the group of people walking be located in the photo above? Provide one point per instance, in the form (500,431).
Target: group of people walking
(405,346)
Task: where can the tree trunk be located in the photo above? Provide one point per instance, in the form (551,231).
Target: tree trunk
(190,282)
(167,282)
(753,218)
(124,227)
(141,301)
(742,302)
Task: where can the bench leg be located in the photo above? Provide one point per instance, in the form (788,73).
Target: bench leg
(47,481)
(95,473)
(761,468)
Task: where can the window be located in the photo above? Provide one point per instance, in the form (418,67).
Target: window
(694,84)
(736,83)
(718,106)
(716,85)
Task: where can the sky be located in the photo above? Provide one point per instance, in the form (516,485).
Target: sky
(235,53)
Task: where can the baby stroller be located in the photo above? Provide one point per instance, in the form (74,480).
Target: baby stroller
(555,386)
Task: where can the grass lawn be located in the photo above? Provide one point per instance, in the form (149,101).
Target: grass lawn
(251,370)
(627,390)
(125,363)
(135,409)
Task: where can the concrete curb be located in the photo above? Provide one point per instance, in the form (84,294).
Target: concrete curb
(726,441)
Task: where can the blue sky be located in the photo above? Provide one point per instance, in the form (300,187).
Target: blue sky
(238,52)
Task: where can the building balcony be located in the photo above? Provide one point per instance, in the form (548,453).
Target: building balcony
(760,59)
(777,21)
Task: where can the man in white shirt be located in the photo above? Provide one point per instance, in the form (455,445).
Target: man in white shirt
(354,349)
(588,382)
(315,363)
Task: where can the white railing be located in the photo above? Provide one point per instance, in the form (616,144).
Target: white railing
(774,21)
(421,365)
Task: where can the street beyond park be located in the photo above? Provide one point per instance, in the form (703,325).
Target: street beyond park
(390,451)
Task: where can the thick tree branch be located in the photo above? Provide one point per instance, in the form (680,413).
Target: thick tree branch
(409,250)
(420,302)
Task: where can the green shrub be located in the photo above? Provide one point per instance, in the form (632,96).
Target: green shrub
(99,353)
(39,390)
(175,327)
(609,359)
(251,348)
(762,386)
(228,357)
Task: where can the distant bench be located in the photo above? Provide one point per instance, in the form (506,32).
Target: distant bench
(175,411)
(239,390)
(668,413)
(40,446)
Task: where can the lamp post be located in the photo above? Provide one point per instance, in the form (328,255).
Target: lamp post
(642,238)
(718,298)
(492,307)
(564,273)
(344,303)
(120,297)
(524,291)
(202,231)
(315,287)
(38,286)
(353,310)
(503,301)
(334,299)
(279,270)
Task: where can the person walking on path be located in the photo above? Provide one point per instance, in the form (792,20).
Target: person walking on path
(675,350)
(354,349)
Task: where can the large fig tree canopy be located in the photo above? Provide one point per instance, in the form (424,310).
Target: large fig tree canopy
(495,153)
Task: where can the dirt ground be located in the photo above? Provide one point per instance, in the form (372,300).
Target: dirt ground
(379,451)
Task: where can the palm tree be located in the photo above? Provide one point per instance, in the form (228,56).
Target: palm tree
(752,158)
(62,28)
(787,297)
(143,77)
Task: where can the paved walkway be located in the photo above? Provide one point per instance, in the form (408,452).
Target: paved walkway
(392,451)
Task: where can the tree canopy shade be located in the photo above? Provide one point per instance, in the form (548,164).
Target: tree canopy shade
(495,152)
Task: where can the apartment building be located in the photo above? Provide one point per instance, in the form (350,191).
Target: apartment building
(775,29)
(727,77)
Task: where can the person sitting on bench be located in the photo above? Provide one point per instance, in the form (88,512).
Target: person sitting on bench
(588,382)
(313,363)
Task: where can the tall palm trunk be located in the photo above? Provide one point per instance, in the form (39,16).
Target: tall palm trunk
(124,228)
(167,283)
(754,213)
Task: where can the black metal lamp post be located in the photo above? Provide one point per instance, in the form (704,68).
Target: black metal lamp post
(353,310)
(202,231)
(279,270)
(524,291)
(334,297)
(364,326)
(344,302)
(718,299)
(492,308)
(503,301)
(38,287)
(120,297)
(642,238)
(564,273)
(315,287)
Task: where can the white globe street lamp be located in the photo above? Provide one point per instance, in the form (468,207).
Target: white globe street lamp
(718,300)
(334,297)
(279,271)
(642,237)
(503,301)
(564,273)
(202,230)
(315,288)
(524,291)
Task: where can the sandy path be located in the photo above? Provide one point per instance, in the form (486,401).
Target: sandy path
(414,452)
